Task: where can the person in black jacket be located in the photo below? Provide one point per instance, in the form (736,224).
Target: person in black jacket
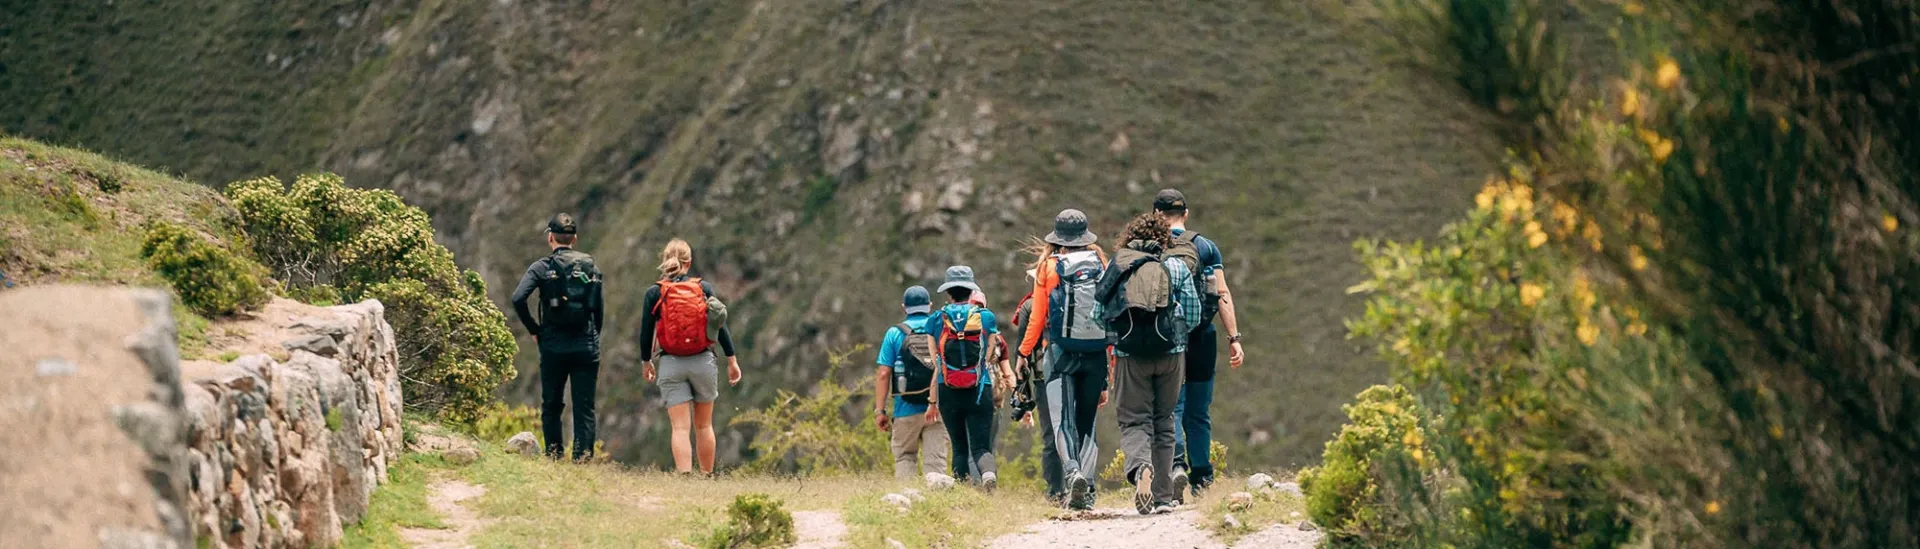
(567,332)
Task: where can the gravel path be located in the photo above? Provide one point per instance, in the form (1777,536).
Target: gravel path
(1116,528)
(819,530)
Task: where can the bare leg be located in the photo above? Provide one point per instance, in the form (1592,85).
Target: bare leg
(682,417)
(703,434)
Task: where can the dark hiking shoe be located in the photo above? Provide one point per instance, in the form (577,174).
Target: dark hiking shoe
(1080,492)
(1179,485)
(1143,490)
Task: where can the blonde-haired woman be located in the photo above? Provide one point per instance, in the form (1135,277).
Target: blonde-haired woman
(675,317)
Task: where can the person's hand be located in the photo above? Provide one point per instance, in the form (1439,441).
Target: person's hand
(1237,356)
(933,415)
(882,420)
(733,371)
(1028,421)
(646,370)
(1103,398)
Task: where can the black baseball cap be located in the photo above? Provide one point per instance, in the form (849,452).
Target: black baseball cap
(1169,200)
(562,223)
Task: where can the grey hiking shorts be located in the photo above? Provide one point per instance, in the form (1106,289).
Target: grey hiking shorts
(684,379)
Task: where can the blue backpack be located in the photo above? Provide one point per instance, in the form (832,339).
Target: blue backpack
(1070,320)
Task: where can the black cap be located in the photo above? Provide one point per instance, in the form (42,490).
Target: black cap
(1169,200)
(562,224)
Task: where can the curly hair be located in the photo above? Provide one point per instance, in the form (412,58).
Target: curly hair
(1148,227)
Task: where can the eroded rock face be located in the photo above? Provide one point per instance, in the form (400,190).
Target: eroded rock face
(286,452)
(112,441)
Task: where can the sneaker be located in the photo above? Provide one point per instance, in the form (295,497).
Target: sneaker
(1163,508)
(1143,490)
(1179,485)
(1080,492)
(989,481)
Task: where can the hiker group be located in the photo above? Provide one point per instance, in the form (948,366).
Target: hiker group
(1139,320)
(1134,327)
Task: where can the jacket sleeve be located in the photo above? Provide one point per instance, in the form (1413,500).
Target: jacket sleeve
(599,303)
(520,294)
(1044,279)
(647,317)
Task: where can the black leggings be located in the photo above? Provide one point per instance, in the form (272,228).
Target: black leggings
(968,414)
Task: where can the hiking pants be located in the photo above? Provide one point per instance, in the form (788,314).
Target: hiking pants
(582,368)
(1195,427)
(916,441)
(1074,383)
(1049,452)
(968,415)
(1148,389)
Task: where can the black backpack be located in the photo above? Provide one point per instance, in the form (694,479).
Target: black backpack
(1139,329)
(913,381)
(567,295)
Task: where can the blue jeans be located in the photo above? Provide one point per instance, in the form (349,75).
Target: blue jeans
(1193,432)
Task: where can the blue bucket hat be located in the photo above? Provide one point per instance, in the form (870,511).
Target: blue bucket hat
(917,300)
(959,276)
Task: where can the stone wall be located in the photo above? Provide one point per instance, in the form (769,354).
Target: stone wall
(286,451)
(280,447)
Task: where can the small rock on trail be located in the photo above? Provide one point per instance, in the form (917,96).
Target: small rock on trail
(1116,528)
(447,497)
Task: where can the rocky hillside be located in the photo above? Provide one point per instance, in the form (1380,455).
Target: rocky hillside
(820,154)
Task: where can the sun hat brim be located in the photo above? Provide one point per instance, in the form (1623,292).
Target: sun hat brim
(958,284)
(1082,240)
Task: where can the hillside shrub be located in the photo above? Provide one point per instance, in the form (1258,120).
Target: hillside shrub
(330,242)
(753,521)
(1354,492)
(823,432)
(1676,319)
(209,278)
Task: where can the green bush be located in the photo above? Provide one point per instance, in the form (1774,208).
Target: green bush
(1354,492)
(209,279)
(499,421)
(826,431)
(753,521)
(329,242)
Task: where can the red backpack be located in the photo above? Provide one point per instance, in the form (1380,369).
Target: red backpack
(963,350)
(682,311)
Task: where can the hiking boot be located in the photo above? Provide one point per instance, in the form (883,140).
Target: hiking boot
(1079,492)
(989,481)
(1143,490)
(1179,485)
(1162,508)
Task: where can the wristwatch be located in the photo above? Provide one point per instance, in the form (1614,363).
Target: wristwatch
(1233,338)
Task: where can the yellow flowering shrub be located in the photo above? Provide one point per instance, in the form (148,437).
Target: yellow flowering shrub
(209,278)
(1376,460)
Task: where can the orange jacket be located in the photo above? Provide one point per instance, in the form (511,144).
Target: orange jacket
(1045,277)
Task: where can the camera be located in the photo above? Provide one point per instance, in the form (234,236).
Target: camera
(1022,403)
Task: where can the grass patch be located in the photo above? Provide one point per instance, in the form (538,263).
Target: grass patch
(962,517)
(333,419)
(400,503)
(1266,511)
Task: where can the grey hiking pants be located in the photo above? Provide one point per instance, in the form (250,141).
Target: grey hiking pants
(1149,387)
(1072,400)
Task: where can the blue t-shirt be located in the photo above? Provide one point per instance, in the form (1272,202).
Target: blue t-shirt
(959,312)
(890,359)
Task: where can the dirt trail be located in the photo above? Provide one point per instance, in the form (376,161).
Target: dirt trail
(445,497)
(819,530)
(1116,528)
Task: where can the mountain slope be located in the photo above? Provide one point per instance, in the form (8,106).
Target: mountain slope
(820,154)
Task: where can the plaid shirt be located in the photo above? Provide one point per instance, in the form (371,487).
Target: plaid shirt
(1186,299)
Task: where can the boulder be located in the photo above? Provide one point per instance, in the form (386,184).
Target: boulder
(1292,488)
(461,455)
(1239,501)
(1230,522)
(898,501)
(1258,481)
(937,481)
(524,443)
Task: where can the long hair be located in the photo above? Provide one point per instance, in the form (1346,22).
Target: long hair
(1043,250)
(676,259)
(1148,227)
